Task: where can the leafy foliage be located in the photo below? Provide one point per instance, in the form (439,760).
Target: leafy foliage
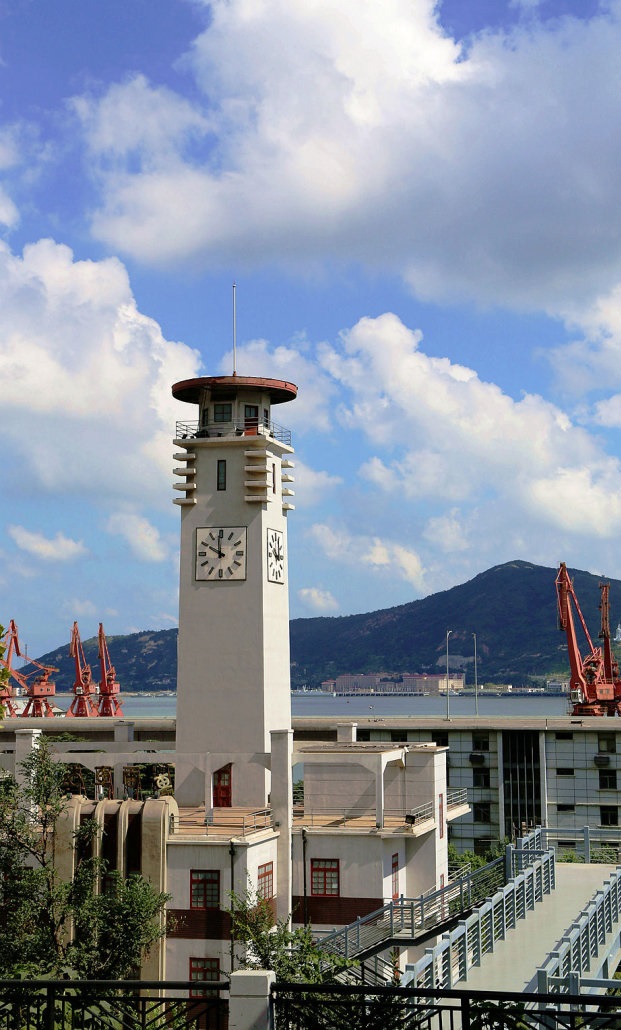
(53,927)
(270,944)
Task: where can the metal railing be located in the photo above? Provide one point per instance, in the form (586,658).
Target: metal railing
(238,427)
(109,1005)
(464,946)
(457,797)
(410,919)
(258,820)
(591,844)
(332,1007)
(584,948)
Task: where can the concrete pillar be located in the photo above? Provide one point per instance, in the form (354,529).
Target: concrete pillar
(25,742)
(282,814)
(543,778)
(379,792)
(123,732)
(249,1005)
(346,732)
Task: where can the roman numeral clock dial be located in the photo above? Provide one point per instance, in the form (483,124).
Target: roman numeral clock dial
(220,553)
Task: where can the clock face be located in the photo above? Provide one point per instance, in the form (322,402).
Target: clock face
(221,553)
(275,556)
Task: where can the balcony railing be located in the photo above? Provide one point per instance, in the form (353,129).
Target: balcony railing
(238,427)
(110,1005)
(308,1006)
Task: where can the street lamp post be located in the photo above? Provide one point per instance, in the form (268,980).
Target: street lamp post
(476,683)
(448,690)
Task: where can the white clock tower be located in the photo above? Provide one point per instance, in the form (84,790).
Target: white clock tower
(233,684)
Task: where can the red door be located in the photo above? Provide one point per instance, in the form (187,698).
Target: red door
(251,419)
(222,787)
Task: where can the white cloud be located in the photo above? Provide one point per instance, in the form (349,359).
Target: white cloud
(75,608)
(143,538)
(312,411)
(318,600)
(366,134)
(312,486)
(384,556)
(447,532)
(56,549)
(78,361)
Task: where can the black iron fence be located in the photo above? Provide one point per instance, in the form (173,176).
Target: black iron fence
(333,1007)
(112,1005)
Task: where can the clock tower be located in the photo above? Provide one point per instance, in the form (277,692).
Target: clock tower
(233,682)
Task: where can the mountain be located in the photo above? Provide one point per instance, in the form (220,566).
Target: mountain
(511,608)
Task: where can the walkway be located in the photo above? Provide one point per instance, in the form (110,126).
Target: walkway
(513,965)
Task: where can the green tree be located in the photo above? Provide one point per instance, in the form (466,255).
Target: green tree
(51,927)
(270,944)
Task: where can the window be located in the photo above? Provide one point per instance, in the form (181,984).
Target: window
(395,877)
(480,777)
(480,741)
(481,811)
(265,881)
(223,412)
(609,815)
(481,845)
(564,735)
(221,474)
(607,743)
(607,779)
(266,418)
(441,814)
(440,739)
(325,878)
(204,969)
(273,477)
(565,808)
(204,888)
(562,771)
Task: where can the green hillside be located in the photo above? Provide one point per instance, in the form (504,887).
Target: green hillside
(511,608)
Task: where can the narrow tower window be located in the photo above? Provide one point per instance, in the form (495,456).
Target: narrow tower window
(273,477)
(221,474)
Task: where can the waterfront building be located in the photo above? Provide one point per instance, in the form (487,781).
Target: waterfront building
(374,821)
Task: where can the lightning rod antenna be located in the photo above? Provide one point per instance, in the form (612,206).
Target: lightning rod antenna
(234,331)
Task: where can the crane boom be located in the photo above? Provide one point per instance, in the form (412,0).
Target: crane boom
(594,686)
(108,686)
(82,704)
(37,686)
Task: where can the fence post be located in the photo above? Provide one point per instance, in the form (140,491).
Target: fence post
(509,849)
(587,844)
(249,1004)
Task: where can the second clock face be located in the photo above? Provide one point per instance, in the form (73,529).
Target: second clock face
(275,556)
(221,553)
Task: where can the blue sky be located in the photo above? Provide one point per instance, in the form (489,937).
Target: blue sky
(420,204)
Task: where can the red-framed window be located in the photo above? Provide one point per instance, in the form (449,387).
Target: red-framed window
(441,814)
(203,969)
(204,888)
(265,881)
(395,877)
(325,877)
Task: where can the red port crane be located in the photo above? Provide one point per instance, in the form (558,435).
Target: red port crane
(37,686)
(108,687)
(6,687)
(83,687)
(594,687)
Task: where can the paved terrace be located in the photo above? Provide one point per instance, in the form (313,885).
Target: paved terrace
(513,965)
(240,822)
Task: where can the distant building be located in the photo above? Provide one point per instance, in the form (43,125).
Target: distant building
(404,683)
